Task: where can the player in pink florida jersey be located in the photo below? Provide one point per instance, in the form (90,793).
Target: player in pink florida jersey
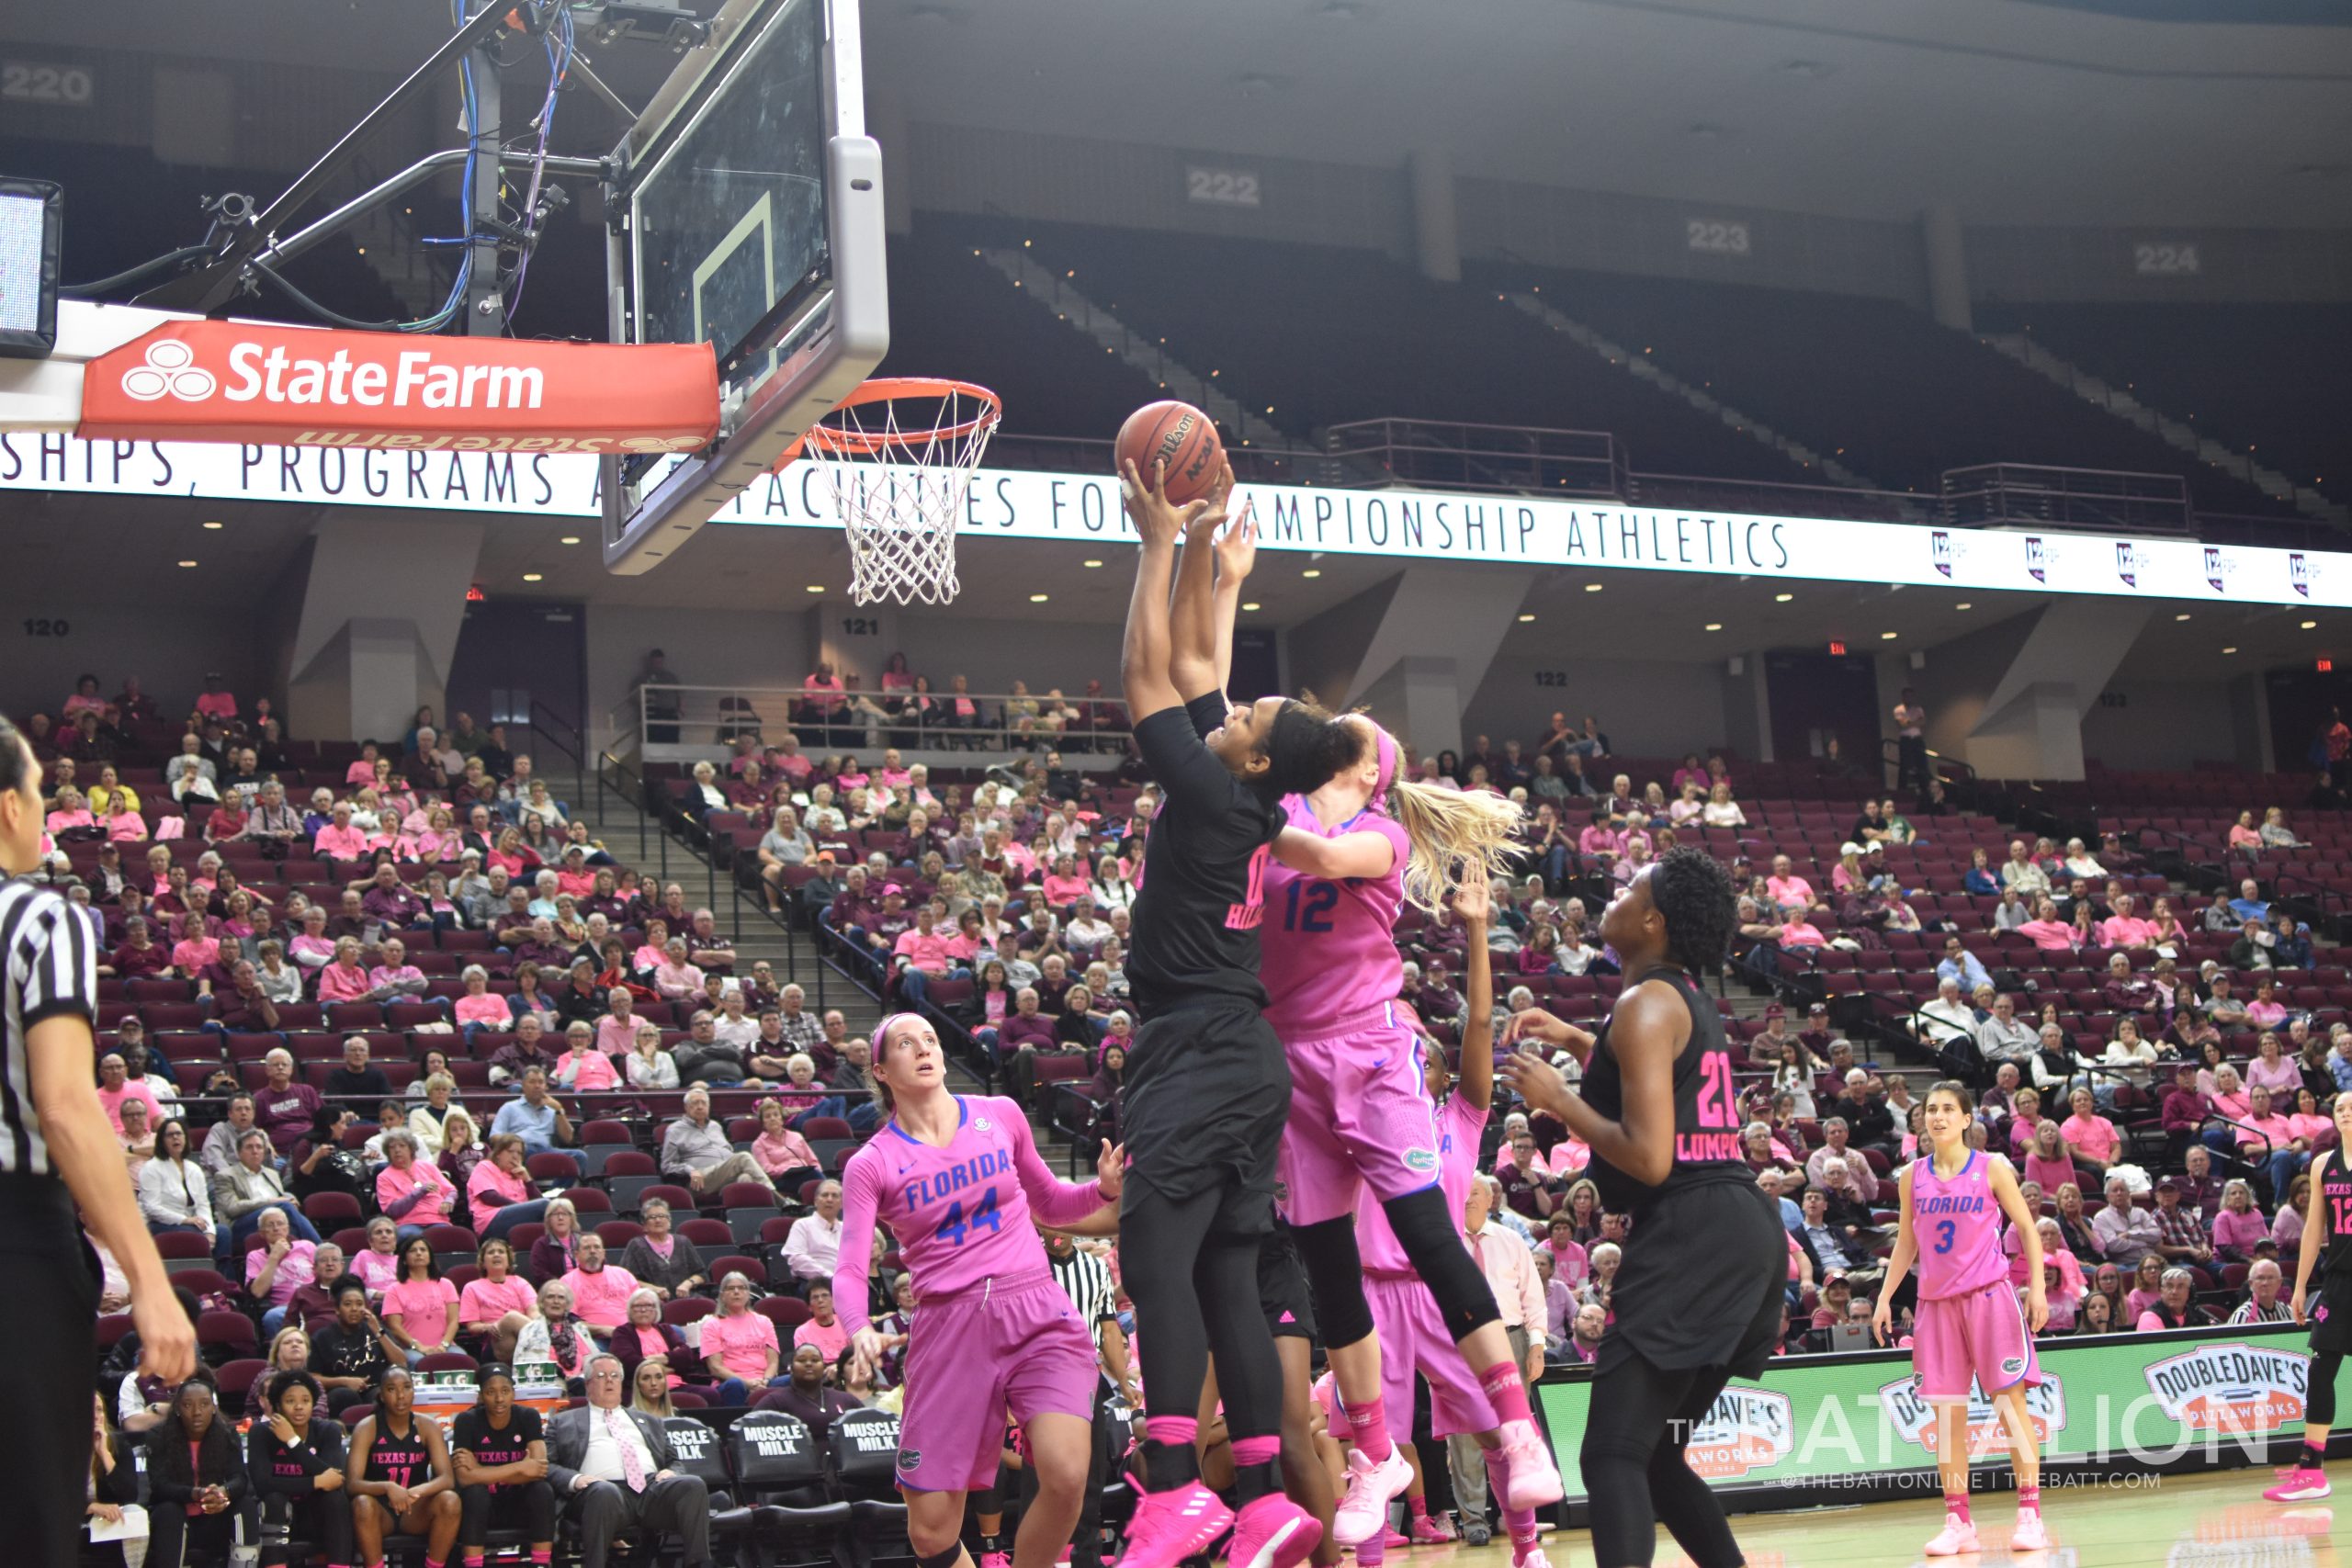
(956,1179)
(1354,850)
(1413,1337)
(1970,1325)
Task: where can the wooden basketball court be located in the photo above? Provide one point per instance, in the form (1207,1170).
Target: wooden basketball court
(2215,1517)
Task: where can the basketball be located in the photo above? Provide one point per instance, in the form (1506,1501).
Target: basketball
(1179,436)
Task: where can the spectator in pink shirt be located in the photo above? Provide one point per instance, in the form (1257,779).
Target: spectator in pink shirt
(478,1009)
(2238,1227)
(339,840)
(823,1329)
(345,978)
(395,978)
(116,1084)
(72,813)
(197,951)
(1064,886)
(2267,1138)
(676,978)
(784,1154)
(584,1067)
(738,1346)
(1792,893)
(2124,929)
(412,1192)
(599,1291)
(214,701)
(921,952)
(2091,1137)
(281,1264)
(2046,931)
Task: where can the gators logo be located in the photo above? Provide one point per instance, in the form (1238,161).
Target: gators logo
(909,1460)
(1423,1161)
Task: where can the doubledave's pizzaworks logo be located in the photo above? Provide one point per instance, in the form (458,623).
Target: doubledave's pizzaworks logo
(1908,1411)
(1746,1429)
(2232,1389)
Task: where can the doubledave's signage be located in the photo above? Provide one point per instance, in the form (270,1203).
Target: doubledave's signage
(1839,1422)
(545,475)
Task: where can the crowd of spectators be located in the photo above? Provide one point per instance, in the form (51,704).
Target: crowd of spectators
(399,1014)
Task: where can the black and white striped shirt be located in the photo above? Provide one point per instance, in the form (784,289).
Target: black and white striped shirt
(50,951)
(1086,1281)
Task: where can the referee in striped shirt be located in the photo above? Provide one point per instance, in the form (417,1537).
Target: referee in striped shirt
(58,1151)
(1085,1279)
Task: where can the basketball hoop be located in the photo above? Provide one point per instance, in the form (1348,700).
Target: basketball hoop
(901,453)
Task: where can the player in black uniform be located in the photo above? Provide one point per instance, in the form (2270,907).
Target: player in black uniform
(499,1451)
(1699,1295)
(401,1479)
(2327,1228)
(1207,1087)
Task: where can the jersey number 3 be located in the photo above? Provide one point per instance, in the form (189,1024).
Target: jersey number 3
(1945,1232)
(955,1226)
(1313,912)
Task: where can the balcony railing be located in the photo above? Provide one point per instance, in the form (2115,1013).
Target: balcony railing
(666,722)
(1997,493)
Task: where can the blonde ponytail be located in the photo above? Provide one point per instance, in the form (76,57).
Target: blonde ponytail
(1455,835)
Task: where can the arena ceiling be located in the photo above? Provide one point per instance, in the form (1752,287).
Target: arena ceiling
(2020,111)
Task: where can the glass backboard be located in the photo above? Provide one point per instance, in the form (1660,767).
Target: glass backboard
(751,220)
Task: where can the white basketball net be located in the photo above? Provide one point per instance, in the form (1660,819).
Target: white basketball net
(900,470)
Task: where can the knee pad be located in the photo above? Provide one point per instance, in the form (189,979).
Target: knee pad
(941,1559)
(1424,1227)
(2319,1396)
(1334,1273)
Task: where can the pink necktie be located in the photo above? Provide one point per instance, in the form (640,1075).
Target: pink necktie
(632,1467)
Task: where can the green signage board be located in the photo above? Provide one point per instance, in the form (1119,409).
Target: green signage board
(2153,1399)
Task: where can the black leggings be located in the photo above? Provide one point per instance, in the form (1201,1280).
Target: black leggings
(1195,1291)
(177,1537)
(2319,1388)
(1424,1227)
(322,1519)
(1635,1470)
(529,1506)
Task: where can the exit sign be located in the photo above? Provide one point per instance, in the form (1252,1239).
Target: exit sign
(1837,651)
(2326,665)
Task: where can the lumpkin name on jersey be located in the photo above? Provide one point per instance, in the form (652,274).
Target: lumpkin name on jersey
(1708,1146)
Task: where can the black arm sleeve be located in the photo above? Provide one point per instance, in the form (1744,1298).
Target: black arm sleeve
(1206,711)
(1186,770)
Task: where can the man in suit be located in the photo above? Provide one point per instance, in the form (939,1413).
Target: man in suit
(611,1469)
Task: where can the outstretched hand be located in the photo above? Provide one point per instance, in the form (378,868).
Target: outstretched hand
(1535,1081)
(1534,1023)
(1110,1169)
(1158,522)
(1237,548)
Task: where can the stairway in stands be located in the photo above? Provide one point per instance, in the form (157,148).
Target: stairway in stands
(615,823)
(2176,433)
(791,954)
(1641,367)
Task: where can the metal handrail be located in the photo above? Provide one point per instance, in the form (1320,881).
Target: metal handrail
(716,715)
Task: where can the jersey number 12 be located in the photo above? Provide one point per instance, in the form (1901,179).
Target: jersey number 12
(1314,913)
(955,1226)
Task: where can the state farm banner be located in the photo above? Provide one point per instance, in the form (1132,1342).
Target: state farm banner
(249,382)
